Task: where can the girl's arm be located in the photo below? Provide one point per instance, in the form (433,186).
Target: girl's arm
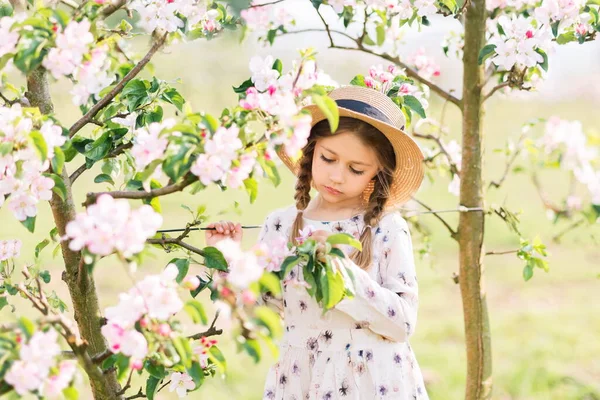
(389,309)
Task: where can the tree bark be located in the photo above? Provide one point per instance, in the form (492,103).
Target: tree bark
(81,284)
(471,224)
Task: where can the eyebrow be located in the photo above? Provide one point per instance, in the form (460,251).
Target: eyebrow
(351,162)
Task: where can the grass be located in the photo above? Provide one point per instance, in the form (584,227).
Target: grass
(544,332)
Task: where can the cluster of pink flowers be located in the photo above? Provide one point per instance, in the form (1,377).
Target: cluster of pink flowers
(165,15)
(264,18)
(74,56)
(271,255)
(518,44)
(244,267)
(149,145)
(10,249)
(8,37)
(280,96)
(110,225)
(32,372)
(221,160)
(576,155)
(152,302)
(425,65)
(382,79)
(21,168)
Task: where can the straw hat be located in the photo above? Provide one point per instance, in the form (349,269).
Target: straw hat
(378,110)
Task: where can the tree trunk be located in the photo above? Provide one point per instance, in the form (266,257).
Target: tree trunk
(471,224)
(81,284)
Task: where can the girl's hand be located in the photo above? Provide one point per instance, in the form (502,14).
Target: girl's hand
(223,230)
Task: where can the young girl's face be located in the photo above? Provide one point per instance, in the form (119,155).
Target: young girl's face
(342,168)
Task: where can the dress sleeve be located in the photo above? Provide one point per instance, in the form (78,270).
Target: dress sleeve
(267,233)
(389,309)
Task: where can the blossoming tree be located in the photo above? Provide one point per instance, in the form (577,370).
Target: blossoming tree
(145,155)
(504,46)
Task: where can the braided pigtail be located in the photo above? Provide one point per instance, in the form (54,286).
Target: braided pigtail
(374,211)
(303,186)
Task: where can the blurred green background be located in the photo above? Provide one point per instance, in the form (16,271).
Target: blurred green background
(544,332)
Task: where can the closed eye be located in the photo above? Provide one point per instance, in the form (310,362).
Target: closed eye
(329,161)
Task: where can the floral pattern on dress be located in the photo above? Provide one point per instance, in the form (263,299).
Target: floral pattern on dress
(360,349)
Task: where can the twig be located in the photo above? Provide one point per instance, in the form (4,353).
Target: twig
(112,7)
(495,89)
(127,385)
(453,233)
(438,140)
(138,395)
(118,88)
(556,238)
(489,253)
(320,30)
(326,28)
(141,194)
(212,331)
(165,241)
(509,164)
(266,4)
(163,386)
(547,203)
(117,151)
(100,357)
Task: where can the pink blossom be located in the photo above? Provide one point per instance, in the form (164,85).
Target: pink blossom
(425,65)
(24,377)
(202,356)
(23,205)
(454,186)
(8,38)
(55,384)
(271,255)
(208,169)
(53,136)
(10,249)
(244,268)
(252,99)
(263,74)
(127,341)
(191,282)
(181,383)
(148,145)
(41,187)
(256,18)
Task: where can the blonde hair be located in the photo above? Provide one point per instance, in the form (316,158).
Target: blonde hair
(375,204)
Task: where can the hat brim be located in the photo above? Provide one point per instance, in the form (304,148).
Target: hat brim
(409,172)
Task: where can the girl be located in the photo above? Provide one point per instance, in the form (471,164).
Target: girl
(359,349)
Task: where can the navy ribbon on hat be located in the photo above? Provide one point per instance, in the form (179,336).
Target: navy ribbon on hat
(364,108)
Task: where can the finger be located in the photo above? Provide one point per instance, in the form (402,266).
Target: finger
(231,226)
(220,227)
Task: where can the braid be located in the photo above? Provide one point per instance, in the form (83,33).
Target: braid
(303,186)
(373,213)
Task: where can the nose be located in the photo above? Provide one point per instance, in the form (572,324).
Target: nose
(336,175)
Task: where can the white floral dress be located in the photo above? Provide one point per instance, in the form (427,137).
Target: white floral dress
(359,350)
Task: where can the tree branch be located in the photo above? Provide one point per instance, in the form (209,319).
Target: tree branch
(556,238)
(438,140)
(89,116)
(495,89)
(112,8)
(212,331)
(453,233)
(509,164)
(175,241)
(141,194)
(266,4)
(489,253)
(326,27)
(117,151)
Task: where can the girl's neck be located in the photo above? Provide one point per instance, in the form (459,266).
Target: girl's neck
(319,208)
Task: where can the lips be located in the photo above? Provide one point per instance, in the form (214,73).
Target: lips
(332,190)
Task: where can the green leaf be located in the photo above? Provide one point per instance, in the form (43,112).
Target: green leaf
(58,161)
(182,345)
(156,370)
(336,288)
(289,263)
(195,371)
(59,186)
(271,170)
(528,272)
(174,97)
(39,143)
(196,311)
(5,10)
(544,63)
(151,387)
(27,327)
(45,275)
(414,104)
(271,282)
(344,238)
(380,30)
(269,319)
(486,52)
(70,393)
(215,355)
(104,178)
(358,80)
(29,223)
(3,302)
(251,186)
(253,349)
(135,93)
(278,66)
(183,266)
(243,87)
(99,148)
(214,259)
(330,109)
(310,279)
(40,246)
